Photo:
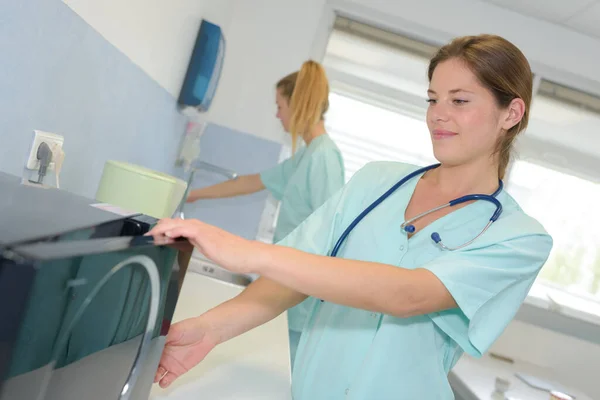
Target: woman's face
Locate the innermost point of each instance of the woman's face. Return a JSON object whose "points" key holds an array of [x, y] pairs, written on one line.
{"points": [[464, 119], [284, 113]]}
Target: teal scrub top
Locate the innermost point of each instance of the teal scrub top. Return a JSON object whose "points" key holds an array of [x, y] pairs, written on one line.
{"points": [[302, 184], [348, 353]]}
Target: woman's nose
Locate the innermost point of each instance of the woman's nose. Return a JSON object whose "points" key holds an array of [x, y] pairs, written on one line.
{"points": [[439, 112]]}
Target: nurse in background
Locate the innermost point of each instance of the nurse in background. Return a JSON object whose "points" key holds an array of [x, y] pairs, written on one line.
{"points": [[303, 182]]}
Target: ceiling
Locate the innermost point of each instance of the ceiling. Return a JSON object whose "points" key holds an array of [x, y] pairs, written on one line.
{"points": [[579, 15]]}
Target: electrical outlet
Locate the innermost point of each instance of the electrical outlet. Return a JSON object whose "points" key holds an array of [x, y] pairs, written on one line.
{"points": [[53, 140]]}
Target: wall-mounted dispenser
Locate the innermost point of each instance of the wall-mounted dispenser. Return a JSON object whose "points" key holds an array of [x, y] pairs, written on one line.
{"points": [[204, 70]]}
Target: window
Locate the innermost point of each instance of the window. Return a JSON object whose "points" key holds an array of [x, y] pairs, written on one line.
{"points": [[371, 58], [563, 131], [377, 112], [366, 132], [555, 180], [379, 92]]}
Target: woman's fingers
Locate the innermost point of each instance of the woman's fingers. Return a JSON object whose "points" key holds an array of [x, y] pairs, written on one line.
{"points": [[160, 374], [162, 226], [167, 379], [176, 227], [164, 378], [186, 231]]}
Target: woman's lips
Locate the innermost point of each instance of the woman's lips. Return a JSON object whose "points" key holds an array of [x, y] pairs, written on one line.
{"points": [[440, 134]]}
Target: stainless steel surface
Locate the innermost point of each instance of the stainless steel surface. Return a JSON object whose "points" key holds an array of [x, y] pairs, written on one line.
{"points": [[205, 267], [201, 165]]}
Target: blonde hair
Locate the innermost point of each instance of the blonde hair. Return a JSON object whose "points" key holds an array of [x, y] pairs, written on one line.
{"points": [[308, 93], [503, 69]]}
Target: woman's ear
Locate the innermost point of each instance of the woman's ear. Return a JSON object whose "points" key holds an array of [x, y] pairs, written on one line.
{"points": [[515, 113]]}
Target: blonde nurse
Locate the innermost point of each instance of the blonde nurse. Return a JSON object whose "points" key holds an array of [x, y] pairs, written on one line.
{"points": [[303, 182]]}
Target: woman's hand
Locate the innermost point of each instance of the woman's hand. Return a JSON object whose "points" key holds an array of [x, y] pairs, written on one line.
{"points": [[225, 249], [188, 342]]}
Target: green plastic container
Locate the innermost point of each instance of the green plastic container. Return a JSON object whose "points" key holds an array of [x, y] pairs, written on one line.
{"points": [[140, 189]]}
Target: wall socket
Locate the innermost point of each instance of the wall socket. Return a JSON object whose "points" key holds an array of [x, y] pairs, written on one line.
{"points": [[52, 139]]}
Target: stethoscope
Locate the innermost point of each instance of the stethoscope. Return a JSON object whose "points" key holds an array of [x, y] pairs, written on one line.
{"points": [[408, 227]]}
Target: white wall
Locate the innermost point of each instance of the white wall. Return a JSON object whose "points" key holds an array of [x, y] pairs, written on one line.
{"points": [[157, 35], [267, 39]]}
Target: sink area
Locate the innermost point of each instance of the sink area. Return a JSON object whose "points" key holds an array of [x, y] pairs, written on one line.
{"points": [[203, 266], [252, 366]]}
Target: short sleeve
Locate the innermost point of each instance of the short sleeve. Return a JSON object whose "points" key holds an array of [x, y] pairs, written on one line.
{"points": [[326, 176], [276, 178], [489, 285]]}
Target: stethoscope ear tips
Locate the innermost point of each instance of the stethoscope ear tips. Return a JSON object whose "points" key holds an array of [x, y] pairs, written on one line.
{"points": [[436, 237]]}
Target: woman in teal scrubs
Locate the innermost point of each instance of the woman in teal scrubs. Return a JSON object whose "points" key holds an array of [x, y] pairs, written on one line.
{"points": [[303, 182], [398, 309]]}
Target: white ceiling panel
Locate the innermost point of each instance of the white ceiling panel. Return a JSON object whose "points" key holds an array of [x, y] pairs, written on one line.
{"points": [[579, 15], [587, 22], [550, 10]]}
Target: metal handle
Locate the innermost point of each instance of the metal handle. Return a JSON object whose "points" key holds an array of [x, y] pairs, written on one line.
{"points": [[142, 354], [201, 165]]}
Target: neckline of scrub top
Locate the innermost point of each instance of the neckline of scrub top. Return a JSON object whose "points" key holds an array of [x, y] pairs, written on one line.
{"points": [[300, 153], [476, 209], [316, 140]]}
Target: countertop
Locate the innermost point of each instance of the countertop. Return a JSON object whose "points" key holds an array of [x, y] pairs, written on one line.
{"points": [[474, 379], [254, 365]]}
